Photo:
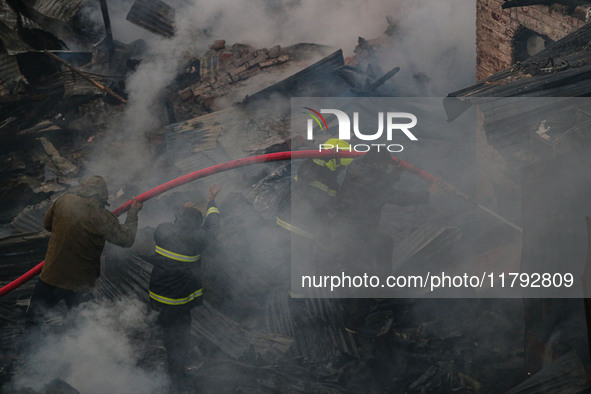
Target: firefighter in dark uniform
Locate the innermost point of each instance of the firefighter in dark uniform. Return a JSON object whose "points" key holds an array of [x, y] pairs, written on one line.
{"points": [[306, 212], [368, 186], [175, 282]]}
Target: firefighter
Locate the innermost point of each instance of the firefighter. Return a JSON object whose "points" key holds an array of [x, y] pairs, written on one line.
{"points": [[175, 282], [79, 226], [307, 209], [369, 184]]}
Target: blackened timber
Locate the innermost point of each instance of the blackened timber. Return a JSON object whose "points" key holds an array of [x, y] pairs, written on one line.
{"points": [[107, 21], [379, 82], [154, 16]]}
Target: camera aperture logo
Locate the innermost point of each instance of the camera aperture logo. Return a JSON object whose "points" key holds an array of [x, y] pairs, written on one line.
{"points": [[395, 123]]}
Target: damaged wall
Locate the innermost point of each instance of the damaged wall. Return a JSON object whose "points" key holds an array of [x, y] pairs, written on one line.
{"points": [[503, 34]]}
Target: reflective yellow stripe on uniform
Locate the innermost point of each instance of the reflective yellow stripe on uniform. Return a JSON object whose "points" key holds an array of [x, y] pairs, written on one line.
{"points": [[330, 164], [324, 188], [211, 210], [320, 162], [321, 186], [294, 229], [176, 301], [176, 256]]}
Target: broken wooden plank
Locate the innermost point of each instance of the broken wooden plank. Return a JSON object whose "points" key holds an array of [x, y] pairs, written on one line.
{"points": [[62, 164]]}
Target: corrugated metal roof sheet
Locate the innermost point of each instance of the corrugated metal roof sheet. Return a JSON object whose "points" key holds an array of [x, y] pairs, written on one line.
{"points": [[194, 135], [8, 16], [310, 341], [129, 274], [193, 144], [10, 74], [429, 238], [11, 40], [75, 85], [154, 16], [561, 71], [59, 9], [30, 219]]}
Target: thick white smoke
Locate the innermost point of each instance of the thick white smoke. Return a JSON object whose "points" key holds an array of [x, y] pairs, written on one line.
{"points": [[436, 38], [98, 354]]}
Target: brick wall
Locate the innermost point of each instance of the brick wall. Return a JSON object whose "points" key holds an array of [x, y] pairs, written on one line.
{"points": [[496, 29]]}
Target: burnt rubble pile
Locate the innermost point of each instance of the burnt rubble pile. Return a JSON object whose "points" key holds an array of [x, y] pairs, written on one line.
{"points": [[222, 67], [254, 337]]}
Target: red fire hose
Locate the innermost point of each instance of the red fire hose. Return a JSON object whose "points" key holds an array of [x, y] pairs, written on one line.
{"points": [[219, 168]]}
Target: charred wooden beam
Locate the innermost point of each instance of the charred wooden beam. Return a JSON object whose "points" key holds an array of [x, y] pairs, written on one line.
{"points": [[107, 21], [380, 81], [87, 78]]}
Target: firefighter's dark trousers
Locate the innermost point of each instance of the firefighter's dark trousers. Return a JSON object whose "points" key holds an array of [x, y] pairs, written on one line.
{"points": [[46, 296], [175, 326]]}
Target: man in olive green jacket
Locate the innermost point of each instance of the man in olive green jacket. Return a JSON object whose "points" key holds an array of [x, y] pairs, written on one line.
{"points": [[79, 226]]}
